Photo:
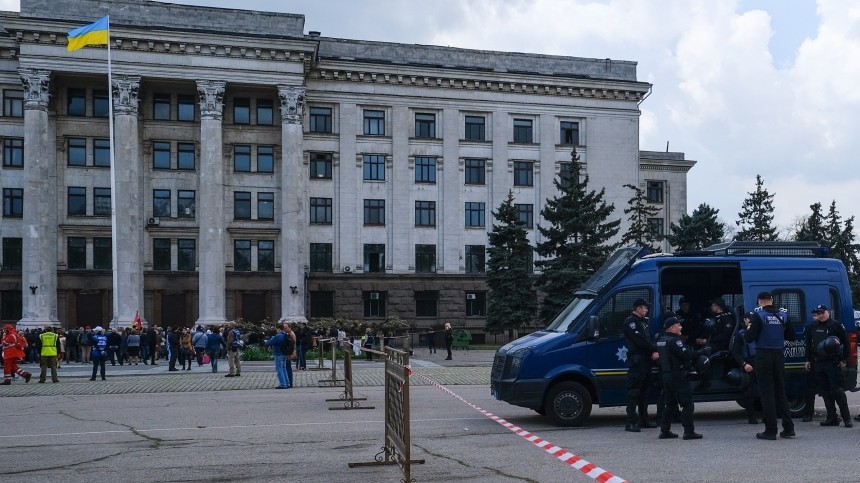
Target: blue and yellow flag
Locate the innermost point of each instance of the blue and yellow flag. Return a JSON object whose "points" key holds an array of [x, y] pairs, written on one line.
{"points": [[95, 33]]}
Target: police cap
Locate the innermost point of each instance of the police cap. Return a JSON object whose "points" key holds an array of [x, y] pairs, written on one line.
{"points": [[640, 303], [670, 321]]}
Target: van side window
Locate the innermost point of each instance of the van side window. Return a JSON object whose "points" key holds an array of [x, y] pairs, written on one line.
{"points": [[794, 302], [614, 312], [835, 305]]}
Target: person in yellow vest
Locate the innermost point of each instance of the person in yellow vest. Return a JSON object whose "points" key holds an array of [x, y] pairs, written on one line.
{"points": [[50, 348]]}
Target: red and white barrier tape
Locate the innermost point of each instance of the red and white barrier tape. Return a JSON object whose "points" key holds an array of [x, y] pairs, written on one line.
{"points": [[572, 460]]}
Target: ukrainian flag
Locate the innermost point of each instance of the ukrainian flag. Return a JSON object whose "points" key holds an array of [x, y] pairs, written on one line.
{"points": [[95, 33]]}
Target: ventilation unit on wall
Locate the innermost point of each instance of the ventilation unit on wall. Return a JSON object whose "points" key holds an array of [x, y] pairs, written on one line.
{"points": [[153, 221], [347, 269], [470, 296], [374, 295]]}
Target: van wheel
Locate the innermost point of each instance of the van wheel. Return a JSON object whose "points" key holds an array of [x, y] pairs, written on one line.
{"points": [[568, 404], [797, 406]]}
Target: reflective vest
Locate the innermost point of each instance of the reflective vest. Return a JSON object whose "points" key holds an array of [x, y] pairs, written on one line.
{"points": [[772, 334], [49, 343]]}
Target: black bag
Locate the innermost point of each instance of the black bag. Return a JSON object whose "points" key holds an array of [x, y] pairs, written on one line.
{"points": [[288, 346]]}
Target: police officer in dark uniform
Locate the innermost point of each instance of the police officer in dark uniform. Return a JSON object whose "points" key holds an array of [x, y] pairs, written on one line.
{"points": [[827, 363], [743, 353], [692, 326], [641, 352], [720, 327], [675, 358], [769, 328]]}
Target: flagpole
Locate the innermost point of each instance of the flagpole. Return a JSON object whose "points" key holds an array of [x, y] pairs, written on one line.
{"points": [[113, 194]]}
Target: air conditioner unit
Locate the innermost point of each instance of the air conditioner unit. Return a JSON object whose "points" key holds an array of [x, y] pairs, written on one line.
{"points": [[374, 295], [347, 269], [153, 221], [187, 211], [470, 296]]}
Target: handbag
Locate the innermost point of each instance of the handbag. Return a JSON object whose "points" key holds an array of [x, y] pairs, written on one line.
{"points": [[206, 359]]}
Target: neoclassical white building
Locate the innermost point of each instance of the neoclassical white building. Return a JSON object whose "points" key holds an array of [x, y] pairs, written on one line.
{"points": [[262, 171]]}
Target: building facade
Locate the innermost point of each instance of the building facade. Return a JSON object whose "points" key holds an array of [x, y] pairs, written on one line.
{"points": [[261, 172]]}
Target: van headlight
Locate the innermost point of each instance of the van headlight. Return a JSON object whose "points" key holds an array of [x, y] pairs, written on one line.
{"points": [[516, 358]]}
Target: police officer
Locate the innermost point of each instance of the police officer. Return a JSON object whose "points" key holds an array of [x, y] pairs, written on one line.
{"points": [[641, 351], [692, 326], [769, 328], [675, 358], [826, 364], [743, 353], [720, 326]]}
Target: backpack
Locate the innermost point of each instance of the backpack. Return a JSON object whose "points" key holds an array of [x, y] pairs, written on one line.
{"points": [[237, 340], [20, 341], [288, 346]]}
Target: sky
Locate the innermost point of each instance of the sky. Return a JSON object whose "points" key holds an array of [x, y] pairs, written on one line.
{"points": [[743, 87]]}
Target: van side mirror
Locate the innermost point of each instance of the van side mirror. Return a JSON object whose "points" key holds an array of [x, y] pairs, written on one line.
{"points": [[593, 327]]}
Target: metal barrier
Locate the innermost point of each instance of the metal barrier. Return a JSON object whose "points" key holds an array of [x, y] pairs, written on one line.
{"points": [[334, 381], [348, 399], [398, 445]]}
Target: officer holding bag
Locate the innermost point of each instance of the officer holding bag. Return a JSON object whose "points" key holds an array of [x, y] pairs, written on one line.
{"points": [[825, 341], [675, 359]]}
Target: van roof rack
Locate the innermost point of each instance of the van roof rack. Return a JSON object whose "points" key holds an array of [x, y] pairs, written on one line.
{"points": [[763, 249]]}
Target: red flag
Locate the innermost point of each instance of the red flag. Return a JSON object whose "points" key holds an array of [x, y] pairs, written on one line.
{"points": [[137, 322]]}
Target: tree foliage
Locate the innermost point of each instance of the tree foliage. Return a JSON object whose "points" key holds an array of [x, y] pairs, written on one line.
{"points": [[511, 302], [640, 232], [812, 227], [576, 240], [698, 230], [755, 221]]}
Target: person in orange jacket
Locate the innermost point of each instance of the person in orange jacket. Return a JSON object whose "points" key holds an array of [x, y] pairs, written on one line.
{"points": [[12, 353]]}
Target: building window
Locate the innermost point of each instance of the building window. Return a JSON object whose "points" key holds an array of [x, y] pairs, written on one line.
{"points": [[241, 110], [186, 204], [476, 304], [374, 258], [475, 169], [265, 206], [425, 125], [13, 153], [13, 202], [474, 214], [523, 131], [425, 258], [374, 304], [426, 303], [76, 253], [322, 304], [242, 205], [161, 107], [77, 201], [425, 213], [320, 120], [475, 258], [425, 169], [101, 152], [321, 165], [321, 211], [185, 156], [374, 212], [242, 255], [160, 155], [569, 132], [161, 253], [101, 105], [265, 112], [77, 151], [242, 158], [186, 111], [13, 103], [320, 257], [526, 215], [565, 174], [161, 203], [523, 173], [654, 191], [12, 254], [265, 159], [655, 226], [374, 123], [475, 128], [102, 254], [187, 255], [77, 102], [374, 167], [101, 201], [265, 256]]}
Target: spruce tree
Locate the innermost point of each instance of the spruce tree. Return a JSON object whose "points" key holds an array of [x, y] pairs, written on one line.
{"points": [[812, 228], [511, 302], [576, 240], [640, 211], [755, 221], [840, 238], [697, 231]]}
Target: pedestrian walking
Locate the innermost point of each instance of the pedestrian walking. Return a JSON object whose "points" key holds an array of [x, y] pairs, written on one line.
{"points": [[49, 349], [449, 339]]}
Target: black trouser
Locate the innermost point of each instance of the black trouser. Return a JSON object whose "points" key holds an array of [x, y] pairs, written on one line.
{"points": [[153, 352], [174, 354], [829, 382], [114, 354], [448, 344], [638, 381], [99, 362], [676, 391], [747, 394], [770, 369], [809, 395]]}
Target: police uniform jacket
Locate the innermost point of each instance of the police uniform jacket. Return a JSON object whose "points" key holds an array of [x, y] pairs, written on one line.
{"points": [[816, 333], [675, 355], [638, 339], [692, 327], [725, 325], [743, 352]]}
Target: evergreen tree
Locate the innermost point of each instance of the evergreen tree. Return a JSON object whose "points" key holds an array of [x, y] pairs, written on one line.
{"points": [[756, 216], [576, 242], [812, 228], [640, 211], [697, 231], [511, 302], [840, 239]]}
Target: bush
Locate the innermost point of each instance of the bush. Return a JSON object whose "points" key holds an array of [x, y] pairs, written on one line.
{"points": [[255, 353]]}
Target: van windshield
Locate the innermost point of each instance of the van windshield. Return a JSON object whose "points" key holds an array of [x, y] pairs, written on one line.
{"points": [[562, 321]]}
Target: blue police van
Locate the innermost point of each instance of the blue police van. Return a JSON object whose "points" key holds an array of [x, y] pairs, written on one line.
{"points": [[579, 359]]}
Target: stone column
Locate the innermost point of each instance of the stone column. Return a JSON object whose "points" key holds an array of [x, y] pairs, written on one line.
{"points": [[127, 201], [210, 248], [294, 219], [40, 243]]}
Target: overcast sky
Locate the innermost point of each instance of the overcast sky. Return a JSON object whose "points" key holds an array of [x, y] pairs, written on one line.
{"points": [[743, 87]]}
